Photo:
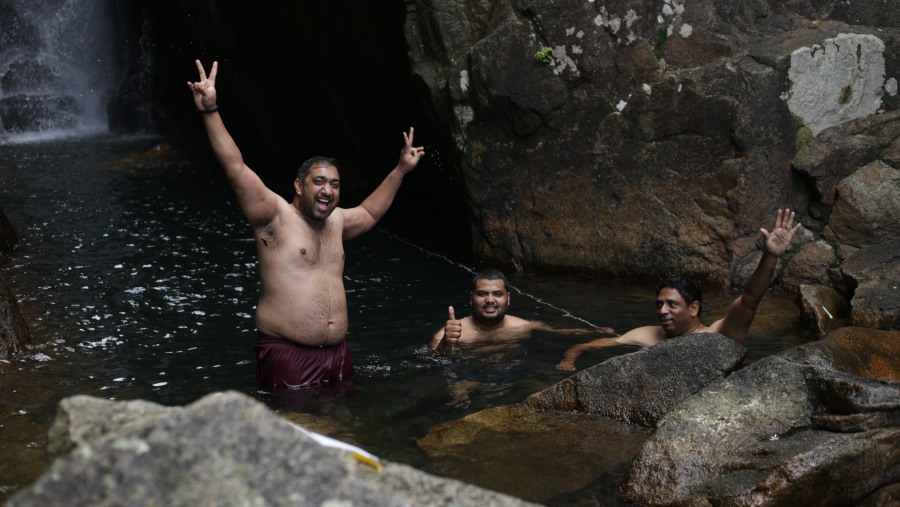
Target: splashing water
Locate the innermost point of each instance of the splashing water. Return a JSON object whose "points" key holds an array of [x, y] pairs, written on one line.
{"points": [[56, 68]]}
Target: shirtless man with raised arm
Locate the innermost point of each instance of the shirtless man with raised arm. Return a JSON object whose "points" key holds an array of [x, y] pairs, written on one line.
{"points": [[489, 322], [678, 302], [301, 318]]}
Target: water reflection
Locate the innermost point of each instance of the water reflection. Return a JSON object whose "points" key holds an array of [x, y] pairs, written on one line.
{"points": [[137, 275]]}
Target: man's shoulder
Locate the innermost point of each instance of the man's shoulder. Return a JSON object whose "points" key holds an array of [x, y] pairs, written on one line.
{"points": [[510, 321]]}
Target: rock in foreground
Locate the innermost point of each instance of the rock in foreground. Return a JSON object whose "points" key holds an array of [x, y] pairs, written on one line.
{"points": [[225, 449]]}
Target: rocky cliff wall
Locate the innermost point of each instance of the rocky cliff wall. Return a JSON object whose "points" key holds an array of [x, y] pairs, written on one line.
{"points": [[638, 137]]}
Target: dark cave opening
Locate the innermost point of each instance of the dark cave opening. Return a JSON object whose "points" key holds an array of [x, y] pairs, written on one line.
{"points": [[298, 79]]}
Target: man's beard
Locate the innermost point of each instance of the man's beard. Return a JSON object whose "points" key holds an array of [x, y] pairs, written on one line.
{"points": [[485, 321]]}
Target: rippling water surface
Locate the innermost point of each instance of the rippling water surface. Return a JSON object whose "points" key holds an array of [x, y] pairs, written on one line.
{"points": [[137, 274]]}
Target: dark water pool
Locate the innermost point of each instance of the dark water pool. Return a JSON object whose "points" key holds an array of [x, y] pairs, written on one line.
{"points": [[137, 275]]}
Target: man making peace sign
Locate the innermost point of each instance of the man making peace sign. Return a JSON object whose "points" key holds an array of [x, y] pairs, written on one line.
{"points": [[301, 318]]}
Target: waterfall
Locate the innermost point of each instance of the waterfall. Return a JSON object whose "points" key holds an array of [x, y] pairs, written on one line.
{"points": [[57, 65]]}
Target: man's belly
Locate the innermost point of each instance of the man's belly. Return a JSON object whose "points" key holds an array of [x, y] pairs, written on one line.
{"points": [[308, 322]]}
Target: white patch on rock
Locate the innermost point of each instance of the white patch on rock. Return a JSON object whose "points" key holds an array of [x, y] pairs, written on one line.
{"points": [[464, 81], [614, 24], [630, 17], [667, 10], [891, 87], [686, 30], [621, 105], [839, 81], [570, 31], [647, 89], [464, 115], [564, 61], [580, 34], [576, 50]]}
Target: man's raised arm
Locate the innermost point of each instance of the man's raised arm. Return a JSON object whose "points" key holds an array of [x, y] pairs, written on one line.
{"points": [[363, 217], [740, 315], [258, 203]]}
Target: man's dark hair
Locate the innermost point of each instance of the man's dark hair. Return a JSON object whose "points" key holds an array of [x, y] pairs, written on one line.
{"points": [[317, 161], [490, 274], [689, 290]]}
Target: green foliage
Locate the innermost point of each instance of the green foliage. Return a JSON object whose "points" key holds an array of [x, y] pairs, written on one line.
{"points": [[846, 95], [804, 135], [661, 35], [544, 55]]}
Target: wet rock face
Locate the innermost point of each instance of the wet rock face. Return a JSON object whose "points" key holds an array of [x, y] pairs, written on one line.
{"points": [[56, 63], [22, 113], [647, 141]]}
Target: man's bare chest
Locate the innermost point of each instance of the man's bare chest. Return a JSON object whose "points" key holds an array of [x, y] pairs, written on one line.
{"points": [[297, 243]]}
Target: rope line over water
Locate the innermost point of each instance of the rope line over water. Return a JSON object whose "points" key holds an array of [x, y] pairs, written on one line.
{"points": [[471, 270]]}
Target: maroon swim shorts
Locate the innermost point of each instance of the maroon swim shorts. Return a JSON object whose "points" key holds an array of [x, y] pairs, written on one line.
{"points": [[282, 363]]}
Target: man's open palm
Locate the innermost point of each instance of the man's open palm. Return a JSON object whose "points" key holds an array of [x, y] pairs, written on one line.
{"points": [[777, 241]]}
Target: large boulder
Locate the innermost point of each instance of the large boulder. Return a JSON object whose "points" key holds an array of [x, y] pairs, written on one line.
{"points": [[872, 275], [14, 333], [225, 449], [774, 433], [641, 387], [810, 265], [866, 210]]}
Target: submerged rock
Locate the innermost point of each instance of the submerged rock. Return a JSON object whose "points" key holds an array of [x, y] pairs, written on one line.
{"points": [[225, 449], [14, 333], [641, 387], [537, 455], [8, 238]]}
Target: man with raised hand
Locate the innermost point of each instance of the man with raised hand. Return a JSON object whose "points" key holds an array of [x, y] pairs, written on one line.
{"points": [[301, 318], [679, 301]]}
